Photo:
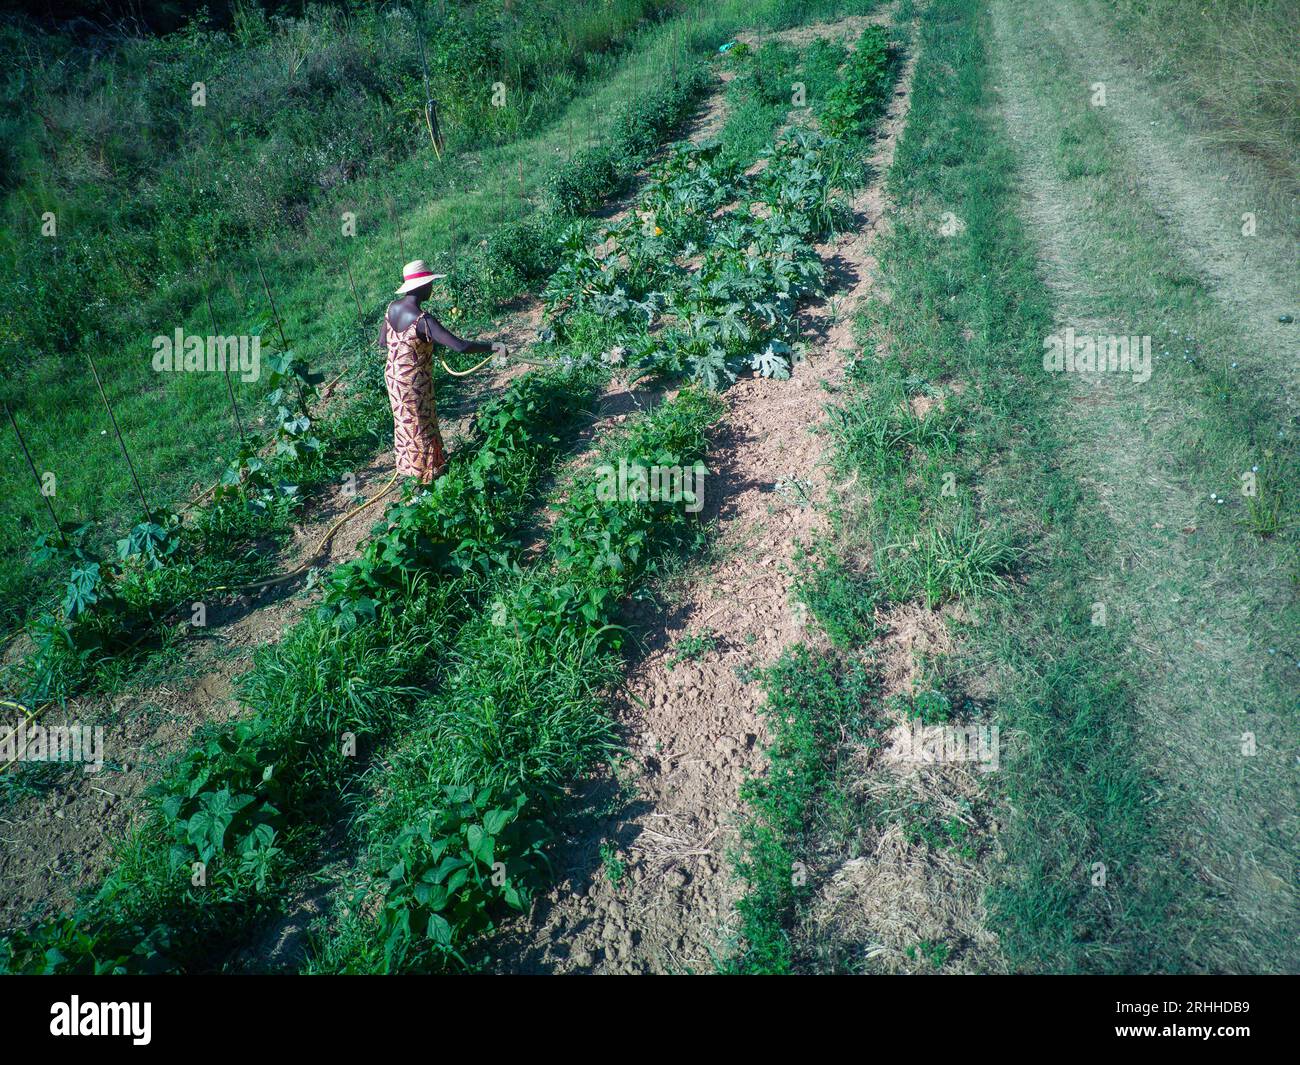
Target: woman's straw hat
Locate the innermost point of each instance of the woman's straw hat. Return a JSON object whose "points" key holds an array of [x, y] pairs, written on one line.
{"points": [[416, 275]]}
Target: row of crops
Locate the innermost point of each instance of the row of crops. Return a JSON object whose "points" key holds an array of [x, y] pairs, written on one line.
{"points": [[450, 687], [121, 603]]}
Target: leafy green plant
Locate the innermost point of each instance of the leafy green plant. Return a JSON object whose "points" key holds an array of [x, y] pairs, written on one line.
{"points": [[293, 388], [860, 96], [693, 646], [929, 706], [812, 703], [450, 872], [933, 951], [149, 544], [843, 601], [615, 867]]}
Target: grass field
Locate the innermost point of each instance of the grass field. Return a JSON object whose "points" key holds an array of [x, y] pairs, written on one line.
{"points": [[965, 644]]}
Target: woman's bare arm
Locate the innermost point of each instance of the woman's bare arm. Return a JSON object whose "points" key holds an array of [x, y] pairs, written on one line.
{"points": [[441, 335]]}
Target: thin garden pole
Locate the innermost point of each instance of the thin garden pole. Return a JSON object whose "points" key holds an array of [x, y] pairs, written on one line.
{"points": [[230, 388], [40, 488], [430, 105], [348, 263], [397, 222], [118, 433], [271, 300]]}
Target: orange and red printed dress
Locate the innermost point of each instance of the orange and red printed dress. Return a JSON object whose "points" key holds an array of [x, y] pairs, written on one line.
{"points": [[408, 374]]}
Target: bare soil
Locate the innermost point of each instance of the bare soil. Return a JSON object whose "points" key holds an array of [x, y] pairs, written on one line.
{"points": [[649, 888]]}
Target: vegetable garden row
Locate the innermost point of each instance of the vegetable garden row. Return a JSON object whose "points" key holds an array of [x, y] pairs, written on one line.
{"points": [[117, 604], [449, 688]]}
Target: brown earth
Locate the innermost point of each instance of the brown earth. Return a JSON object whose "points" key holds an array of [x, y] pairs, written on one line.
{"points": [[649, 889]]}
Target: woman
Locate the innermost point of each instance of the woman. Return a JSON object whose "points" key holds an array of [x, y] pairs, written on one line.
{"points": [[409, 333]]}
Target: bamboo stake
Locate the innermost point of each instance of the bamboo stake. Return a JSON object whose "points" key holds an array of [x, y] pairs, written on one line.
{"points": [[118, 433], [40, 489], [230, 388]]}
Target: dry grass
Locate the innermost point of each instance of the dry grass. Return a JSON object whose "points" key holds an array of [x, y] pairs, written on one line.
{"points": [[1236, 59]]}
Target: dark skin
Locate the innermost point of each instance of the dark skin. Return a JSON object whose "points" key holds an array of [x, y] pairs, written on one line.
{"points": [[405, 310]]}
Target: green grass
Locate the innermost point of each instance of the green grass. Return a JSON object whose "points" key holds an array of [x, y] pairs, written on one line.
{"points": [[843, 600], [179, 429], [985, 501]]}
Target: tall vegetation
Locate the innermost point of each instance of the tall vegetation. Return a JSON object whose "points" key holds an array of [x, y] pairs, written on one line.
{"points": [[1235, 60], [127, 203]]}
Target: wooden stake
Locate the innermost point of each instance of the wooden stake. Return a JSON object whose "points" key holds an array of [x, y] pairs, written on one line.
{"points": [[118, 433], [397, 222], [284, 343], [430, 105], [40, 488], [360, 317], [230, 388]]}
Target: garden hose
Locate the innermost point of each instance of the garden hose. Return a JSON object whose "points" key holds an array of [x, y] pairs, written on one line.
{"points": [[473, 369], [320, 544], [325, 392]]}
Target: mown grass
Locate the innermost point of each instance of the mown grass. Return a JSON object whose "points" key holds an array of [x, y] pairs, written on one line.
{"points": [[1212, 414], [964, 322], [1234, 60]]}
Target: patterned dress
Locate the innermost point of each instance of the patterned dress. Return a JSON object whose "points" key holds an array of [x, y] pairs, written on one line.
{"points": [[408, 374]]}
